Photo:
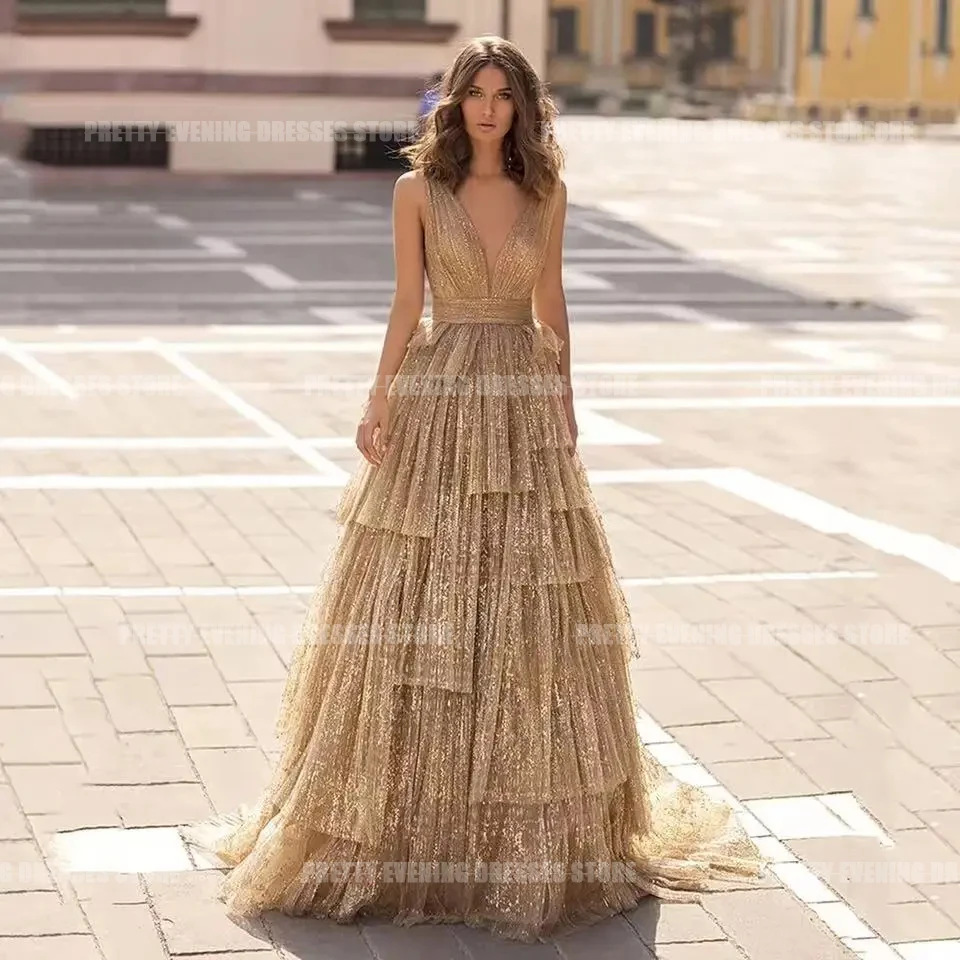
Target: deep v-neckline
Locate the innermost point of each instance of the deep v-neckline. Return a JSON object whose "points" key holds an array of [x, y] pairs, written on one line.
{"points": [[490, 271]]}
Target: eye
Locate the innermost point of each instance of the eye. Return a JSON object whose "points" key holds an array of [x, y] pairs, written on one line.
{"points": [[475, 92], [505, 94]]}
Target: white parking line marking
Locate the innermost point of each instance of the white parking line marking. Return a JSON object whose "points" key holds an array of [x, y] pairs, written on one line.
{"points": [[269, 426], [219, 246], [307, 589], [270, 277], [45, 374]]}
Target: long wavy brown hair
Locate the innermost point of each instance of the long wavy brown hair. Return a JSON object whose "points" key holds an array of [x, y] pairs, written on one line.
{"points": [[532, 158]]}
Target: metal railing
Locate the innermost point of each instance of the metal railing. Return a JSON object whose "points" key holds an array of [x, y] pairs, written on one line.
{"points": [[92, 8]]}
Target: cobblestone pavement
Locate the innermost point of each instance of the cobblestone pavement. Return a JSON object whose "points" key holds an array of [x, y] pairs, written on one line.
{"points": [[182, 370]]}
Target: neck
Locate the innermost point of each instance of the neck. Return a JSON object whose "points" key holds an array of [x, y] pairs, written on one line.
{"points": [[487, 160]]}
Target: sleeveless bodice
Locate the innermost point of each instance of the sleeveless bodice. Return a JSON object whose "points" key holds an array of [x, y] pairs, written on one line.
{"points": [[465, 288]]}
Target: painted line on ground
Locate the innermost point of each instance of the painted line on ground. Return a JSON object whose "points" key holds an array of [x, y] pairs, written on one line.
{"points": [[772, 403], [282, 590], [43, 373], [271, 427]]}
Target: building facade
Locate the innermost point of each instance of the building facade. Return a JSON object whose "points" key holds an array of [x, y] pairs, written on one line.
{"points": [[236, 65], [831, 58]]}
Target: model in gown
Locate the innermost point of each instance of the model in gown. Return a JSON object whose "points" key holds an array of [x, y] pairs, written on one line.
{"points": [[458, 734]]}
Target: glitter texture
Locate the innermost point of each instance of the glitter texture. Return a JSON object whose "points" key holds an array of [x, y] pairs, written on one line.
{"points": [[461, 692]]}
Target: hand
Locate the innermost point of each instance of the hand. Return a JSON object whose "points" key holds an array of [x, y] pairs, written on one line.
{"points": [[571, 422], [372, 431]]}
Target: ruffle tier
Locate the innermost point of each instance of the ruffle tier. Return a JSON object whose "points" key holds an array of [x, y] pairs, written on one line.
{"points": [[460, 696]]}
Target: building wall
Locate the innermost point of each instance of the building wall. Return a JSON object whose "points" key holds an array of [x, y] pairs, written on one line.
{"points": [[247, 60], [887, 65], [755, 51]]}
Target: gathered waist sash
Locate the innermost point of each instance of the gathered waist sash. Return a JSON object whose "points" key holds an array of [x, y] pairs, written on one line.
{"points": [[483, 310]]}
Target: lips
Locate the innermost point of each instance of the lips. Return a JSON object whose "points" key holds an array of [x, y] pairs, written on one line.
{"points": [[488, 126]]}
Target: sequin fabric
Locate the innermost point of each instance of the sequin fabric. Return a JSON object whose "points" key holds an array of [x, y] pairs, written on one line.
{"points": [[458, 735]]}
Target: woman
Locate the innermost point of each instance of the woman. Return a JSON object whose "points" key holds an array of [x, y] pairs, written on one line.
{"points": [[458, 732]]}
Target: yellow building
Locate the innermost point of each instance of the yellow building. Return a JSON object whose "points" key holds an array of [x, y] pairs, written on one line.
{"points": [[829, 58], [877, 58], [615, 51]]}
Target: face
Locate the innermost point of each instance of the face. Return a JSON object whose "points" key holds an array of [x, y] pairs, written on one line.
{"points": [[488, 106]]}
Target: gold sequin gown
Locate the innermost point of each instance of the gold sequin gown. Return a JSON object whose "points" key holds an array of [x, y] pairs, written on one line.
{"points": [[460, 700]]}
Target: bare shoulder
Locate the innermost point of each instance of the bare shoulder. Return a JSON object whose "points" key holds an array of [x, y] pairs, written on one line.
{"points": [[410, 189], [560, 193]]}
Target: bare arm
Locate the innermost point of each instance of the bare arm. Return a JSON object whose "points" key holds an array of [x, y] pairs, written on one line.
{"points": [[550, 303], [407, 305]]}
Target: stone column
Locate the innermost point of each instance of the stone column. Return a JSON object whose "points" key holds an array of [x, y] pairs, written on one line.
{"points": [[789, 75], [606, 71], [755, 24]]}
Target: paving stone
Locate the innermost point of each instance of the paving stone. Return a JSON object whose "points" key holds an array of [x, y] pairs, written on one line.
{"points": [[675, 698], [869, 877], [840, 706], [784, 670], [753, 779], [222, 726], [22, 868], [39, 634], [135, 704], [905, 922], [713, 742], [190, 681], [38, 914], [699, 951], [35, 736], [23, 685], [773, 925], [114, 651], [945, 823], [762, 708], [943, 638], [301, 938], [83, 947], [232, 778], [946, 707], [13, 824], [136, 758], [704, 662], [125, 930], [835, 767], [193, 920], [260, 704], [166, 634], [106, 888], [659, 923], [251, 657], [925, 735], [842, 662], [945, 897], [610, 940], [160, 804]]}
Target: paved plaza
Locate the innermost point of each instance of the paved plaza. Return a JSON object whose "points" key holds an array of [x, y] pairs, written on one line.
{"points": [[766, 349]]}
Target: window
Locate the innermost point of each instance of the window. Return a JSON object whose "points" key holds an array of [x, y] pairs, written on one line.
{"points": [[563, 26], [943, 26], [722, 35], [865, 10], [816, 26], [93, 8], [415, 10], [645, 36]]}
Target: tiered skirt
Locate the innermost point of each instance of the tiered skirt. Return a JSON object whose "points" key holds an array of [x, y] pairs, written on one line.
{"points": [[458, 733]]}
